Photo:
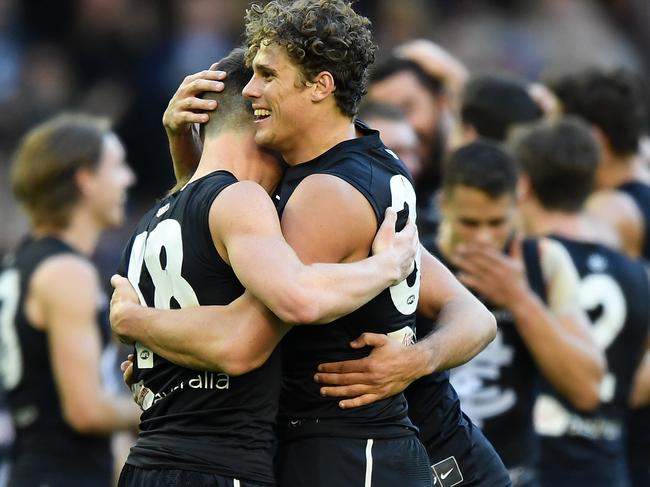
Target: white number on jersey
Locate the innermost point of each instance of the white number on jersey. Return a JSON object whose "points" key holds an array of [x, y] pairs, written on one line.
{"points": [[405, 297], [168, 283], [601, 290], [11, 365]]}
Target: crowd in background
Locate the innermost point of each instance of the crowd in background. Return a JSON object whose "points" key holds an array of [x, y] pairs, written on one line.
{"points": [[125, 58]]}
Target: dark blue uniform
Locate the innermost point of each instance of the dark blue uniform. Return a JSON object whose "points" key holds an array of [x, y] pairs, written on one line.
{"points": [[588, 449], [638, 421], [195, 422], [46, 450], [497, 388], [321, 443]]}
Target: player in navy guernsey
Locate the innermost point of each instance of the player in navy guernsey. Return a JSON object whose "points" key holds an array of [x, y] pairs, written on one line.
{"points": [[614, 102], [70, 176], [559, 161], [200, 246], [497, 388], [331, 217]]}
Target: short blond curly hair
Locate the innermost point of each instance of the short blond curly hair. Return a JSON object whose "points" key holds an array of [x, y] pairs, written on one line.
{"points": [[319, 35]]}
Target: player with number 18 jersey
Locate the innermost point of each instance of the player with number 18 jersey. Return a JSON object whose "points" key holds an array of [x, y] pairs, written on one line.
{"points": [[196, 420]]}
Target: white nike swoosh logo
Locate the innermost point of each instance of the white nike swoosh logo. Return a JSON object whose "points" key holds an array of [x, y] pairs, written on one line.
{"points": [[443, 476]]}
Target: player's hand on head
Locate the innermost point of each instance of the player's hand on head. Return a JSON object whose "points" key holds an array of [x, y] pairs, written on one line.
{"points": [[123, 299], [186, 107], [385, 372], [400, 248]]}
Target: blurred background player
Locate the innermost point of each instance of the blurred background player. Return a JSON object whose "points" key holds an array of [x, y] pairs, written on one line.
{"points": [[395, 131], [70, 176], [614, 103], [492, 104], [529, 287], [559, 161]]}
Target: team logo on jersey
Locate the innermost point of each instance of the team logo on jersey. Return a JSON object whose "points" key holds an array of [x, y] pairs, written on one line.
{"points": [[597, 263], [406, 336], [447, 473]]}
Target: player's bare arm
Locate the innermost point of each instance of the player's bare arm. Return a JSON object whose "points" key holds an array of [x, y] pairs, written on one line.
{"points": [[185, 110], [240, 336], [558, 336], [63, 299], [463, 328]]}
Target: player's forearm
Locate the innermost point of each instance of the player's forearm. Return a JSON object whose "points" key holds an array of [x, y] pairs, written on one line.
{"points": [[185, 149], [571, 363], [234, 339], [335, 290], [463, 328], [102, 414]]}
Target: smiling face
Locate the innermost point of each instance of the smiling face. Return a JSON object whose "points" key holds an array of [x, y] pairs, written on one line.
{"points": [[472, 216], [281, 101]]}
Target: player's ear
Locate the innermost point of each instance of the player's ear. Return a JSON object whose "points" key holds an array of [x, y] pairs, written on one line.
{"points": [[323, 86], [85, 179]]}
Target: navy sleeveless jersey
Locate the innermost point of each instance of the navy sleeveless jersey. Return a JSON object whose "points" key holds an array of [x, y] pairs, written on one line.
{"points": [[497, 388], [638, 421], [193, 419], [615, 293], [377, 173], [43, 440]]}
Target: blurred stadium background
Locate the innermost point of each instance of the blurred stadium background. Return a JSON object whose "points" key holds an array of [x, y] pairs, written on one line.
{"points": [[125, 58]]}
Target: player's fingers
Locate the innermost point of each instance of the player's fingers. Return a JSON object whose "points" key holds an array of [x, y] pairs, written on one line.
{"points": [[333, 379], [369, 340], [353, 390], [194, 104], [117, 280], [128, 375], [124, 365], [345, 367], [207, 74], [189, 117], [199, 86], [359, 401]]}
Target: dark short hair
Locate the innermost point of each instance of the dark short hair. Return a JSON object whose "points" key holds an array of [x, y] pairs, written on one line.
{"points": [[614, 101], [484, 165], [44, 166], [234, 109], [395, 65], [560, 158], [323, 35], [493, 103]]}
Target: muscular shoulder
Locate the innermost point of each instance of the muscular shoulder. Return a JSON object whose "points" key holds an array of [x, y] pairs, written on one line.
{"points": [[63, 280], [329, 210]]}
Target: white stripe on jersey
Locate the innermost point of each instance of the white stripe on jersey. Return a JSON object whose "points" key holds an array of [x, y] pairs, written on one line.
{"points": [[368, 482]]}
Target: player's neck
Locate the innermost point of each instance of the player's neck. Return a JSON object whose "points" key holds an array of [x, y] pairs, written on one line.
{"points": [[82, 232], [540, 222], [237, 153], [616, 170], [323, 134]]}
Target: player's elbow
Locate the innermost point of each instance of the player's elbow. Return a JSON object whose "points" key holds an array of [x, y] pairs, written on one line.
{"points": [[298, 308], [488, 327]]}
